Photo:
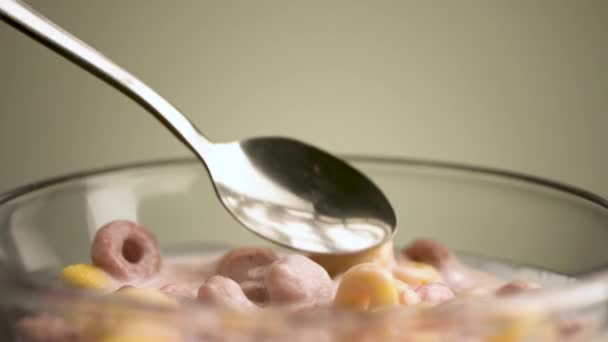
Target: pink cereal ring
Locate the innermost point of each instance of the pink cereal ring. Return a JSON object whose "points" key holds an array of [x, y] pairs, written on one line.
{"points": [[47, 328], [516, 287], [435, 293], [224, 292], [177, 291], [256, 291], [429, 251], [126, 250], [237, 263]]}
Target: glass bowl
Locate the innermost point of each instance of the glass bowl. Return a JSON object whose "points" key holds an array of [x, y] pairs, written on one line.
{"points": [[514, 225]]}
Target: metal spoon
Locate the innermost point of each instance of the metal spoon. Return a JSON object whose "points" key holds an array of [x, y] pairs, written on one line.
{"points": [[284, 190]]}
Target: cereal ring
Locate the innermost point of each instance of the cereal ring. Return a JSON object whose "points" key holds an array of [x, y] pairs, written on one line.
{"points": [[521, 327], [237, 263], [85, 276], [407, 295], [438, 255], [365, 287], [416, 273], [456, 277], [177, 291], [146, 295], [256, 291], [224, 292], [136, 330], [125, 287], [516, 287], [435, 293], [576, 329], [126, 250], [295, 279], [429, 251], [336, 264], [47, 328]]}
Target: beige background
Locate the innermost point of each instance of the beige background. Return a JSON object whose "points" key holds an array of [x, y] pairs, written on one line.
{"points": [[521, 85]]}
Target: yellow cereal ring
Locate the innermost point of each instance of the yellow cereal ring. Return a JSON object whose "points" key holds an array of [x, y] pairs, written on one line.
{"points": [[85, 276], [367, 286], [416, 273], [427, 337], [527, 327], [141, 330], [336, 264], [111, 319], [131, 338], [147, 295]]}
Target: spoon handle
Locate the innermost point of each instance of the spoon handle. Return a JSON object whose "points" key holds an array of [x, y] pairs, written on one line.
{"points": [[25, 19]]}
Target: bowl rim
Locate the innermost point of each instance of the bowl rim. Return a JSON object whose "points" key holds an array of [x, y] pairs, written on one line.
{"points": [[522, 177]]}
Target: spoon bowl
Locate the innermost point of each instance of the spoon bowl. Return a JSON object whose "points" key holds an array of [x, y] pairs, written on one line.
{"points": [[286, 191], [299, 196]]}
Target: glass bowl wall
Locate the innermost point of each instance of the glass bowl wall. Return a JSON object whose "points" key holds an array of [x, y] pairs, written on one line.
{"points": [[479, 212]]}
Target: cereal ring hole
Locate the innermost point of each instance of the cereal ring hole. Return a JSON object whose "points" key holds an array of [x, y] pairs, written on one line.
{"points": [[132, 251]]}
